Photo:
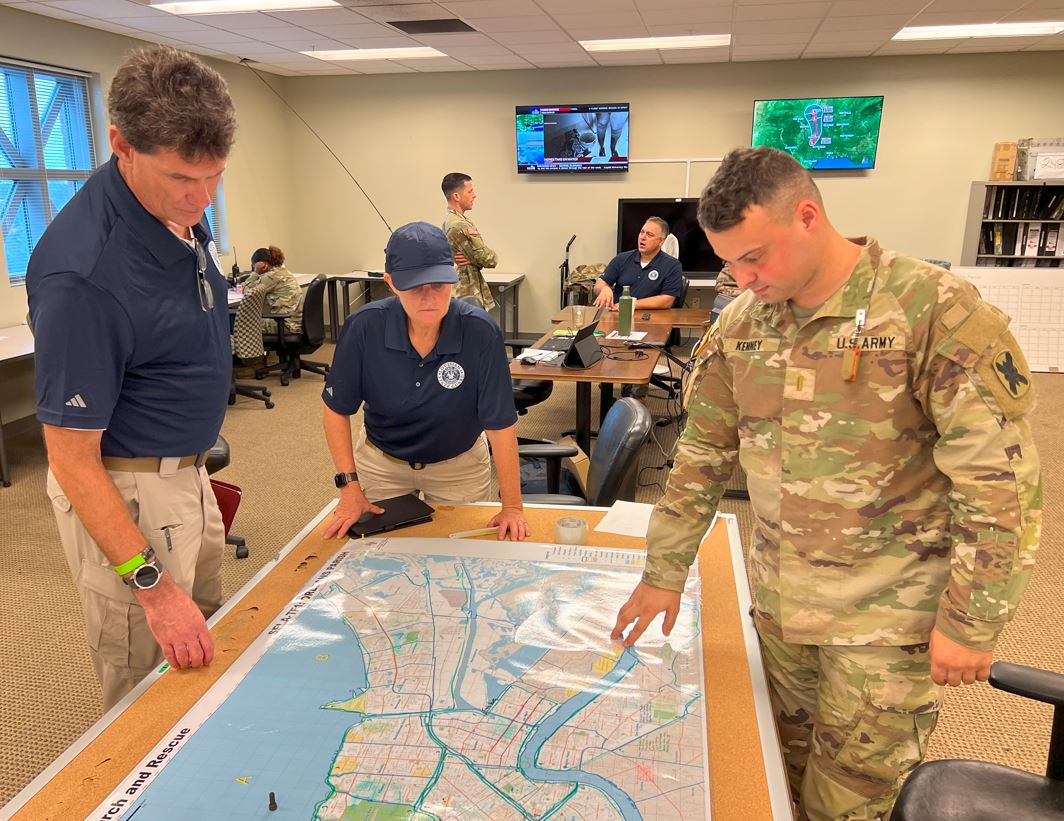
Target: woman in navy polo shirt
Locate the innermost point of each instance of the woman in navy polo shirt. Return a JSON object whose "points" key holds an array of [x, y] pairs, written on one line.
{"points": [[433, 376]]}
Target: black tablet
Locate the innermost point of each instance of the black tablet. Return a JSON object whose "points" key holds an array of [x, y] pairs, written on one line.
{"points": [[400, 511]]}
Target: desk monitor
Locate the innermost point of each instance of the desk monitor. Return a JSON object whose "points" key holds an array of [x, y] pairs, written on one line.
{"points": [[696, 254]]}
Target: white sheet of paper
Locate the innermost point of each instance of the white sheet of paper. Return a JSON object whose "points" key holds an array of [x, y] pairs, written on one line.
{"points": [[627, 519]]}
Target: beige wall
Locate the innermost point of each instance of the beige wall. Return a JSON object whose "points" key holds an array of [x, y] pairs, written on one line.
{"points": [[256, 182], [399, 134]]}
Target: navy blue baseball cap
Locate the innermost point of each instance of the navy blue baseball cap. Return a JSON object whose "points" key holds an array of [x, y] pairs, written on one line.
{"points": [[418, 253]]}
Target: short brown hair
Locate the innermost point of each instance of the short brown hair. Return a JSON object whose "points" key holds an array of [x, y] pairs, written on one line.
{"points": [[753, 176], [455, 181], [165, 98]]}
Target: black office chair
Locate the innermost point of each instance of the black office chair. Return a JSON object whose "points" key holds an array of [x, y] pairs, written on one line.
{"points": [[981, 791], [217, 458], [611, 472], [665, 380], [290, 348]]}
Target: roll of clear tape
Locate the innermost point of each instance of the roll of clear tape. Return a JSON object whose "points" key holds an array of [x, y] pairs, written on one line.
{"points": [[570, 530]]}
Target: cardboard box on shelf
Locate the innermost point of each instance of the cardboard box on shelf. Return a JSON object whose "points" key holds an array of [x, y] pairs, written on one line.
{"points": [[1003, 163]]}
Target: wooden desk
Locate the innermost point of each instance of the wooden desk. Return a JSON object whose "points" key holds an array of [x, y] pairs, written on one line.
{"points": [[605, 372], [747, 781], [673, 317], [16, 345]]}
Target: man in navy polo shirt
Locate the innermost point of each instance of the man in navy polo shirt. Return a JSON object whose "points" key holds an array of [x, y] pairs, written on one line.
{"points": [[654, 277], [133, 360], [432, 375]]}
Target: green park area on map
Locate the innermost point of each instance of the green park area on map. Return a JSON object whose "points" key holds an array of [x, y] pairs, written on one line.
{"points": [[839, 132]]}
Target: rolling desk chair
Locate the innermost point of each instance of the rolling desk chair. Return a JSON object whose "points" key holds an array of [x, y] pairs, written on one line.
{"points": [[290, 348], [981, 791], [611, 473], [228, 495], [662, 376]]}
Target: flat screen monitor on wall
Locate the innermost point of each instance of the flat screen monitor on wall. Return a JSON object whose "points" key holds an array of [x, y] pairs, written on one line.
{"points": [[696, 254], [585, 138], [821, 132]]}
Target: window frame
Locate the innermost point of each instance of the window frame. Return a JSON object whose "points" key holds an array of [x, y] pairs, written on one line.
{"points": [[31, 129]]}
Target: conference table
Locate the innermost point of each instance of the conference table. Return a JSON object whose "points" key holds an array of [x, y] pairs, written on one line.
{"points": [[505, 287], [673, 317], [746, 775], [16, 345], [630, 369]]}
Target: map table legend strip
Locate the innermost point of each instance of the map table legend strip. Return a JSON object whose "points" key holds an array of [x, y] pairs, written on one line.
{"points": [[445, 679]]}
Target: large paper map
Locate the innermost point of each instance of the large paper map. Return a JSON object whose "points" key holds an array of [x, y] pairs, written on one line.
{"points": [[445, 679]]}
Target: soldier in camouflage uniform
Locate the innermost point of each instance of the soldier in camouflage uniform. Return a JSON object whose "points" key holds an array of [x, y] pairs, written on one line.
{"points": [[881, 411], [283, 294], [471, 254]]}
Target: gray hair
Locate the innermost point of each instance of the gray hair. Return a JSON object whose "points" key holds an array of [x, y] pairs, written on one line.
{"points": [[658, 221], [753, 176], [165, 98]]}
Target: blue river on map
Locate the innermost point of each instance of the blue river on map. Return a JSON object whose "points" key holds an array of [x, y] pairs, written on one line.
{"points": [[290, 753], [526, 758]]}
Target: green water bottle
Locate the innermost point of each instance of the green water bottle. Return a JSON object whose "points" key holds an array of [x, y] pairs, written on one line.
{"points": [[624, 312]]}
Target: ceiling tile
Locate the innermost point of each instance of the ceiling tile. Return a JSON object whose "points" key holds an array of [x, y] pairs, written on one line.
{"points": [[409, 11], [981, 44], [778, 39], [1026, 15], [275, 34], [355, 30], [104, 9], [784, 11], [627, 58], [696, 55], [238, 22], [322, 17], [997, 6], [562, 62], [494, 25], [168, 23], [658, 5], [607, 31], [519, 38], [52, 11], [894, 22], [492, 8], [839, 50], [774, 27], [587, 6], [861, 38], [441, 41], [619, 20], [914, 47], [954, 18], [680, 30], [780, 54], [395, 41]]}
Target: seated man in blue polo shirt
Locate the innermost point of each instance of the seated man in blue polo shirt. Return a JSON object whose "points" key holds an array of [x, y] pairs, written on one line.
{"points": [[432, 376], [653, 276]]}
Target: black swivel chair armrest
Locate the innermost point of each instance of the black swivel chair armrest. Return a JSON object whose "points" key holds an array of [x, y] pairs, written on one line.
{"points": [[1029, 682], [552, 499], [546, 450]]}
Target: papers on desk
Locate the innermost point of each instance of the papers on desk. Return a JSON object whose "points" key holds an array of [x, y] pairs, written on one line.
{"points": [[234, 296], [634, 336], [540, 355], [631, 519]]}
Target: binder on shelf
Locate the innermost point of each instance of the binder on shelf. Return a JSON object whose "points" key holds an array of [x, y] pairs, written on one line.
{"points": [[998, 239], [1030, 246]]}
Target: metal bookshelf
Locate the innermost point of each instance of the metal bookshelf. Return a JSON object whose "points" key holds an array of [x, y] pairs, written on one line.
{"points": [[973, 225]]}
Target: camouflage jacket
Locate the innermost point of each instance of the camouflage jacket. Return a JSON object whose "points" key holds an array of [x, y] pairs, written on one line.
{"points": [[283, 295], [906, 499], [465, 238]]}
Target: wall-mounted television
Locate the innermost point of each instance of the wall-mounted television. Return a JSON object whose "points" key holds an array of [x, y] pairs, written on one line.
{"points": [[822, 133], [696, 254], [584, 138]]}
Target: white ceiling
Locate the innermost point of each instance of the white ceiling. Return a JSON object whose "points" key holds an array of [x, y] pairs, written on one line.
{"points": [[521, 34]]}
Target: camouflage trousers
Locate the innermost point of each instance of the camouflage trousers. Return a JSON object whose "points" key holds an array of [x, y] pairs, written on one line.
{"points": [[852, 722], [471, 283]]}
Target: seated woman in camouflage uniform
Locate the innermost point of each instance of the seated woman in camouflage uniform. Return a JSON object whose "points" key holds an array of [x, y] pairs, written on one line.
{"points": [[283, 294]]}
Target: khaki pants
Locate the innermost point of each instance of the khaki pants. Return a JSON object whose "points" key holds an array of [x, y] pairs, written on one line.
{"points": [[852, 721], [465, 478], [179, 517]]}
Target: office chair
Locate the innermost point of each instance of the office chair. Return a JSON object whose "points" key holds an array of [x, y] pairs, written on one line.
{"points": [[611, 472], [662, 376], [290, 348], [527, 392], [228, 495], [981, 791]]}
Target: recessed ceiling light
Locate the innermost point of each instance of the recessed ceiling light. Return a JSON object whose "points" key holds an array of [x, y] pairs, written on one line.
{"points": [[415, 53], [240, 6], [651, 43], [1040, 29]]}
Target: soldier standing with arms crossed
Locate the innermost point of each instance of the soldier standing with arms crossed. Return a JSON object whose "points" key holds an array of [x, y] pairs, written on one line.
{"points": [[880, 410], [471, 255]]}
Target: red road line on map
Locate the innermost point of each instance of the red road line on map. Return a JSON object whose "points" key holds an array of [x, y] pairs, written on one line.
{"points": [[508, 726]]}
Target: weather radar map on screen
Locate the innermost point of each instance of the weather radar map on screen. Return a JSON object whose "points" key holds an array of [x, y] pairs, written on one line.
{"points": [[572, 138], [821, 133]]}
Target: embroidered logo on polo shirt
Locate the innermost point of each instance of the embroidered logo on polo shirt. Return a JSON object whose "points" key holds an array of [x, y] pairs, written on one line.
{"points": [[652, 275], [450, 375], [212, 249]]}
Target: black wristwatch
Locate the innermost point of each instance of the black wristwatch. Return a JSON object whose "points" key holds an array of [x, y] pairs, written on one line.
{"points": [[146, 574], [344, 479]]}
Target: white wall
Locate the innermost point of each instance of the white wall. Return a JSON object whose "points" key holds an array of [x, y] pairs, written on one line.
{"points": [[256, 182], [400, 133]]}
